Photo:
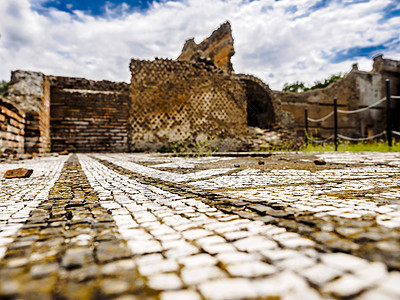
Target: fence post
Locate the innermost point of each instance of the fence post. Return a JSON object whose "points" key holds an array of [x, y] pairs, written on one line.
{"points": [[388, 114], [306, 124], [335, 137]]}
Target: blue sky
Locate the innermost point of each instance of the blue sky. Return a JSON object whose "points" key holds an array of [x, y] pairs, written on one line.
{"points": [[91, 7], [278, 41]]}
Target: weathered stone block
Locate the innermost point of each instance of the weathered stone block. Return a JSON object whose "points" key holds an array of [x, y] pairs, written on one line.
{"points": [[18, 173], [216, 49]]}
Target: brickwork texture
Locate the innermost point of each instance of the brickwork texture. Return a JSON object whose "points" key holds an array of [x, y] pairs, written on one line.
{"points": [[37, 132], [89, 116], [12, 126], [179, 101], [30, 93], [320, 103]]}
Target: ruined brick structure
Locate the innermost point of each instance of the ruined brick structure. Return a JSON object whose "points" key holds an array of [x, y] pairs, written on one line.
{"points": [[319, 104], [179, 101], [384, 69], [217, 50], [30, 92], [12, 128], [357, 90], [88, 116], [193, 99]]}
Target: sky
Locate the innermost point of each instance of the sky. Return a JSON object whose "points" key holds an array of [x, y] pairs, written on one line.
{"points": [[278, 41]]}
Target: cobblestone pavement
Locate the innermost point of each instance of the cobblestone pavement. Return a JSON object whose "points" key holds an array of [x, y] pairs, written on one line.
{"points": [[146, 226]]}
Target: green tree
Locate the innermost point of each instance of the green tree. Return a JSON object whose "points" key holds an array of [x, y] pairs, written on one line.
{"points": [[298, 87], [3, 87], [326, 82], [294, 87]]}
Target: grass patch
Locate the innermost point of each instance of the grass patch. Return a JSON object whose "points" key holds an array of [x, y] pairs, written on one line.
{"points": [[377, 146], [196, 149]]}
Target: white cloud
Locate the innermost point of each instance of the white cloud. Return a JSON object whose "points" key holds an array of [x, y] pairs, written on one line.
{"points": [[273, 40]]}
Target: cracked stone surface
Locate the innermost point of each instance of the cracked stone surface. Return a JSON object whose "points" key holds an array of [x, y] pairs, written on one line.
{"points": [[149, 226]]}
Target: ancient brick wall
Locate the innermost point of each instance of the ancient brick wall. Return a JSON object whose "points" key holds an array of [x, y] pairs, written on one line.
{"points": [[88, 115], [30, 92], [320, 103], [359, 89], [179, 101], [12, 126], [388, 69]]}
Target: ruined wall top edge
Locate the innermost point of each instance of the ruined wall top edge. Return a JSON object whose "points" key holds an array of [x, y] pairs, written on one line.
{"points": [[164, 63], [26, 83], [386, 65], [333, 86], [217, 49], [26, 90], [216, 36], [61, 82]]}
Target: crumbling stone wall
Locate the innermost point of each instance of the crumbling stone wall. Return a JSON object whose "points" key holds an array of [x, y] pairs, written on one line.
{"points": [[12, 126], [216, 49], [29, 91], [197, 98], [179, 101], [387, 69], [358, 89], [320, 103], [89, 116]]}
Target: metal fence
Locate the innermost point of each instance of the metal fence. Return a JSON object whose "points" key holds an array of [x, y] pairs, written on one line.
{"points": [[335, 136]]}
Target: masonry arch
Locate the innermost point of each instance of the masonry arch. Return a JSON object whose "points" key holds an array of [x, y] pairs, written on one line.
{"points": [[261, 111]]}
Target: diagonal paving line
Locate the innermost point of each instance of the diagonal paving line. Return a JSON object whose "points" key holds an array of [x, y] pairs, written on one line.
{"points": [[69, 248], [168, 176], [331, 233], [186, 248], [226, 204], [253, 258]]}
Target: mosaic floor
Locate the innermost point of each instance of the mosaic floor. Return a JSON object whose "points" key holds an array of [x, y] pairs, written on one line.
{"points": [[148, 226]]}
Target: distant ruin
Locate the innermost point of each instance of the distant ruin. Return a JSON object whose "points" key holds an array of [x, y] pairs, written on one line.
{"points": [[358, 89], [197, 97]]}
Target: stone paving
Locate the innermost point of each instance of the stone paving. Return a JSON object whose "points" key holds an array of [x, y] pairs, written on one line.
{"points": [[17, 200], [147, 226]]}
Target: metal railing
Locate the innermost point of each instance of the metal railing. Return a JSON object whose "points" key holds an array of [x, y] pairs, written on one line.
{"points": [[388, 132]]}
